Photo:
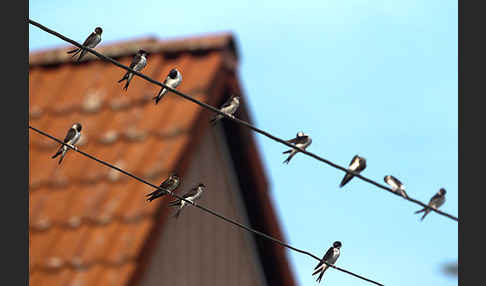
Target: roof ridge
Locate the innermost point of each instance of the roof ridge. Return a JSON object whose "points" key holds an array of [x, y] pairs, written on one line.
{"points": [[212, 41]]}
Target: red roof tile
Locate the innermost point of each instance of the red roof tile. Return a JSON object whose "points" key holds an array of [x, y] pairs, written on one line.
{"points": [[88, 223]]}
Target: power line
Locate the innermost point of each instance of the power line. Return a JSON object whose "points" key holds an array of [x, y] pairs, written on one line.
{"points": [[202, 208], [244, 123]]}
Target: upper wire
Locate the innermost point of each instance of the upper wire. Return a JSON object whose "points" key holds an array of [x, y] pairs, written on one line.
{"points": [[244, 123]]}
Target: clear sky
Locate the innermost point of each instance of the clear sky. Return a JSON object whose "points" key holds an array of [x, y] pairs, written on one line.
{"points": [[374, 78]]}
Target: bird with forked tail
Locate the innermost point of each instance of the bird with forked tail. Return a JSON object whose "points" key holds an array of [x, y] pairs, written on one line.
{"points": [[301, 140], [172, 80], [192, 195], [357, 165], [72, 137], [435, 202], [331, 256], [229, 107], [91, 41], [396, 185], [167, 186], [137, 64]]}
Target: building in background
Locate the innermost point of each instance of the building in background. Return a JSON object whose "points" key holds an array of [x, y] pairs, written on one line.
{"points": [[91, 225]]}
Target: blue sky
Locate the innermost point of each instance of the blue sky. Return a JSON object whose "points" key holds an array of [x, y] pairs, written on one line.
{"points": [[374, 78]]}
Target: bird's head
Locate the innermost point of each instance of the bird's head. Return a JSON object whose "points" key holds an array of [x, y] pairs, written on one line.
{"points": [[337, 244], [201, 185], [142, 52], [236, 98], [300, 134], [98, 30], [387, 178], [77, 126], [362, 161], [173, 73], [442, 191]]}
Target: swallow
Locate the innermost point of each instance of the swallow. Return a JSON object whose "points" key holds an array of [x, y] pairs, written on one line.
{"points": [[396, 185], [229, 107], [90, 42], [72, 136], [192, 195], [167, 186], [173, 80], [357, 165], [138, 63], [330, 257], [301, 140], [435, 202]]}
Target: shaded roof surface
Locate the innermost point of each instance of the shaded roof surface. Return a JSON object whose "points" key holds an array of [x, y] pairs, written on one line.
{"points": [[87, 223]]}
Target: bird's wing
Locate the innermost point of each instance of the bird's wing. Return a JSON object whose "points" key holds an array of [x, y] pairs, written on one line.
{"points": [[302, 139], [135, 60], [165, 184], [352, 160], [192, 192], [70, 135], [89, 39], [434, 198], [325, 258], [293, 140], [397, 181], [298, 139], [227, 102]]}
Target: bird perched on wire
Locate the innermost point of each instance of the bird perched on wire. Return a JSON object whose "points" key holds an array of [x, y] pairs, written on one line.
{"points": [[173, 80], [301, 140], [357, 165], [192, 195], [330, 257], [396, 185], [167, 186], [91, 41], [435, 202], [72, 137], [229, 107], [138, 63]]}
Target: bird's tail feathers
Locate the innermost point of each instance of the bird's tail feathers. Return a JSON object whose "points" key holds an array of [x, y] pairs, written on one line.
{"points": [[58, 153], [286, 152], [286, 161], [320, 276], [148, 195], [124, 77], [174, 203], [74, 51], [215, 119], [81, 55], [177, 213], [419, 211], [156, 99], [126, 86], [129, 78], [62, 157], [426, 213], [321, 270], [346, 179]]}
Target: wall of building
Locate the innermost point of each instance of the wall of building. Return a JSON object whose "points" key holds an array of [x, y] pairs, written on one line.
{"points": [[198, 248]]}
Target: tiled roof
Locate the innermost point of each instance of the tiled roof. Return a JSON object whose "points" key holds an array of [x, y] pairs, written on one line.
{"points": [[88, 223]]}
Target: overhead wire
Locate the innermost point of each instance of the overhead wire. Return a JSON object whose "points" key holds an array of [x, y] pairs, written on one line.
{"points": [[171, 193], [239, 121]]}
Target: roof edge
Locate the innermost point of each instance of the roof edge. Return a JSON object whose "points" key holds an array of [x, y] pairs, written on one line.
{"points": [[213, 41]]}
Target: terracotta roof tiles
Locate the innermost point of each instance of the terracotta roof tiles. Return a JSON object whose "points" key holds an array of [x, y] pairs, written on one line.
{"points": [[88, 223]]}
